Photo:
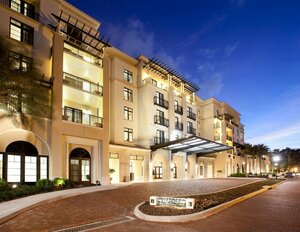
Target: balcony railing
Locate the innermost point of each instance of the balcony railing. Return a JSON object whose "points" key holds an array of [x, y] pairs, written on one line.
{"points": [[228, 137], [217, 137], [161, 121], [191, 115], [160, 140], [191, 130], [178, 109], [22, 7], [82, 84], [179, 126], [75, 115], [161, 102]]}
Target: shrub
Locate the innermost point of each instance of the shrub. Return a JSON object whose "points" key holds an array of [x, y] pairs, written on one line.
{"points": [[44, 185], [237, 175], [3, 185], [68, 183], [58, 182]]}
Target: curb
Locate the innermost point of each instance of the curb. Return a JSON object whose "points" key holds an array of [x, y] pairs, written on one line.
{"points": [[10, 215], [203, 214]]}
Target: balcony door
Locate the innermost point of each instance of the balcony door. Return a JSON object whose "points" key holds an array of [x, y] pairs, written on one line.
{"points": [[80, 166], [158, 171]]}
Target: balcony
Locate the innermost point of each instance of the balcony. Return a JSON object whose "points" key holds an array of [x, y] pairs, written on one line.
{"points": [[161, 102], [228, 126], [191, 115], [217, 137], [228, 137], [178, 109], [82, 84], [161, 121], [160, 140], [191, 130], [22, 7], [75, 115], [178, 126]]}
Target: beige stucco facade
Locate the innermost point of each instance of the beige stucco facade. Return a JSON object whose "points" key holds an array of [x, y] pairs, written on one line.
{"points": [[109, 108]]}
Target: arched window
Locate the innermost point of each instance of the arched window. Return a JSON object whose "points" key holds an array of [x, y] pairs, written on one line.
{"points": [[21, 163], [80, 166]]}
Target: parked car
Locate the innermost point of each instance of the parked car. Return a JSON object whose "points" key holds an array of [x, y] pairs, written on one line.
{"points": [[289, 175]]}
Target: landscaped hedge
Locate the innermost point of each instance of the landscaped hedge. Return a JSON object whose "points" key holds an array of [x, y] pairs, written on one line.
{"points": [[7, 192]]}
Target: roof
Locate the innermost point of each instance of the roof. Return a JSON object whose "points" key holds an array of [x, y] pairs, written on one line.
{"points": [[192, 144]]}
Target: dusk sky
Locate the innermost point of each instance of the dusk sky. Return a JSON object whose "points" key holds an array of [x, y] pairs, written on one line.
{"points": [[243, 52]]}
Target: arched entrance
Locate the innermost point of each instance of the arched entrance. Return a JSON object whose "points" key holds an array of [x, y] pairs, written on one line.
{"points": [[80, 166], [22, 164]]}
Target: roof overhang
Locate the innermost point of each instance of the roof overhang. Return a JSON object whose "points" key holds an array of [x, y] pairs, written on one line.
{"points": [[191, 145]]}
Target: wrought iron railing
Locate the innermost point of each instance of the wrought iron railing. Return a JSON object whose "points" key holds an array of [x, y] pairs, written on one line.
{"points": [[179, 126], [75, 115], [178, 109], [191, 115], [82, 84], [191, 130], [161, 121], [161, 102]]}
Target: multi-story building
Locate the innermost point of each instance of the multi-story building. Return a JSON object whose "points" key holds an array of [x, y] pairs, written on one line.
{"points": [[109, 110]]}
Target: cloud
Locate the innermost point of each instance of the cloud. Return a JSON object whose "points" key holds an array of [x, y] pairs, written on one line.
{"points": [[208, 53], [132, 37], [211, 85], [229, 49], [239, 3]]}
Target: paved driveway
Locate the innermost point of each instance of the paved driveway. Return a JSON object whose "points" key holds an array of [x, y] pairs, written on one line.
{"points": [[110, 204]]}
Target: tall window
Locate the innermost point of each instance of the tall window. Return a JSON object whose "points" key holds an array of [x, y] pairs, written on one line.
{"points": [[128, 134], [21, 32], [160, 134], [19, 62], [189, 125], [159, 95], [128, 94], [30, 169], [13, 168], [128, 113], [43, 168], [128, 76], [189, 110], [1, 165], [176, 104], [160, 113]]}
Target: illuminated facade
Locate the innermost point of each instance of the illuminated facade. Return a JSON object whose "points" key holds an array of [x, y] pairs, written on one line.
{"points": [[108, 109]]}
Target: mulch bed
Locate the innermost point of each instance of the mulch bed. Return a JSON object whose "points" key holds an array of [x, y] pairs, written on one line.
{"points": [[207, 201]]}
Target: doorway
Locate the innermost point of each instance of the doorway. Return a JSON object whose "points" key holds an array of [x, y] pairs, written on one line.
{"points": [[80, 166]]}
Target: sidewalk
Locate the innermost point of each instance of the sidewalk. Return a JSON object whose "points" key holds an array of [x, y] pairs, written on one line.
{"points": [[13, 208]]}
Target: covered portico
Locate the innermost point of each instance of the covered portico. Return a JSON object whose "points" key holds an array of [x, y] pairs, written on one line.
{"points": [[186, 150]]}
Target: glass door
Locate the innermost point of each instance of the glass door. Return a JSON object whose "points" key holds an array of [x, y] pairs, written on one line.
{"points": [[74, 170]]}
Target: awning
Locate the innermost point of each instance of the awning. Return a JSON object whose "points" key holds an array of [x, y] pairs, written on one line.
{"points": [[192, 144]]}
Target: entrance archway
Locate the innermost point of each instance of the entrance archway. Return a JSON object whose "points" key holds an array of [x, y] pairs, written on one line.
{"points": [[80, 166]]}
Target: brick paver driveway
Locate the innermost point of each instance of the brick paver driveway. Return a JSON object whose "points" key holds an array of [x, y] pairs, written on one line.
{"points": [[109, 204]]}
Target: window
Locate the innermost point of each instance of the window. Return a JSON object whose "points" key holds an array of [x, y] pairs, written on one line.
{"points": [[21, 32], [30, 168], [160, 113], [23, 8], [160, 134], [128, 113], [189, 125], [176, 120], [128, 76], [128, 134], [72, 114], [43, 168], [128, 94], [19, 62], [159, 95], [189, 110], [1, 165], [176, 103], [153, 82], [13, 168]]}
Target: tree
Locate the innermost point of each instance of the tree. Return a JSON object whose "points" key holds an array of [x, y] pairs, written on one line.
{"points": [[22, 89], [261, 150]]}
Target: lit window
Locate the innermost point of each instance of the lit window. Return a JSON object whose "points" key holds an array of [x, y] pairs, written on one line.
{"points": [[1, 165], [19, 62], [128, 113], [43, 168], [23, 8], [128, 134], [128, 76], [21, 32], [13, 168], [128, 94], [30, 168]]}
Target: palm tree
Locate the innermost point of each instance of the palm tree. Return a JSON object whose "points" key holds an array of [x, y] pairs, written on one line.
{"points": [[261, 150], [22, 89]]}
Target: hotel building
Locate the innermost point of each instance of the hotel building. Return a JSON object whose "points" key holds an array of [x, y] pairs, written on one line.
{"points": [[108, 110]]}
